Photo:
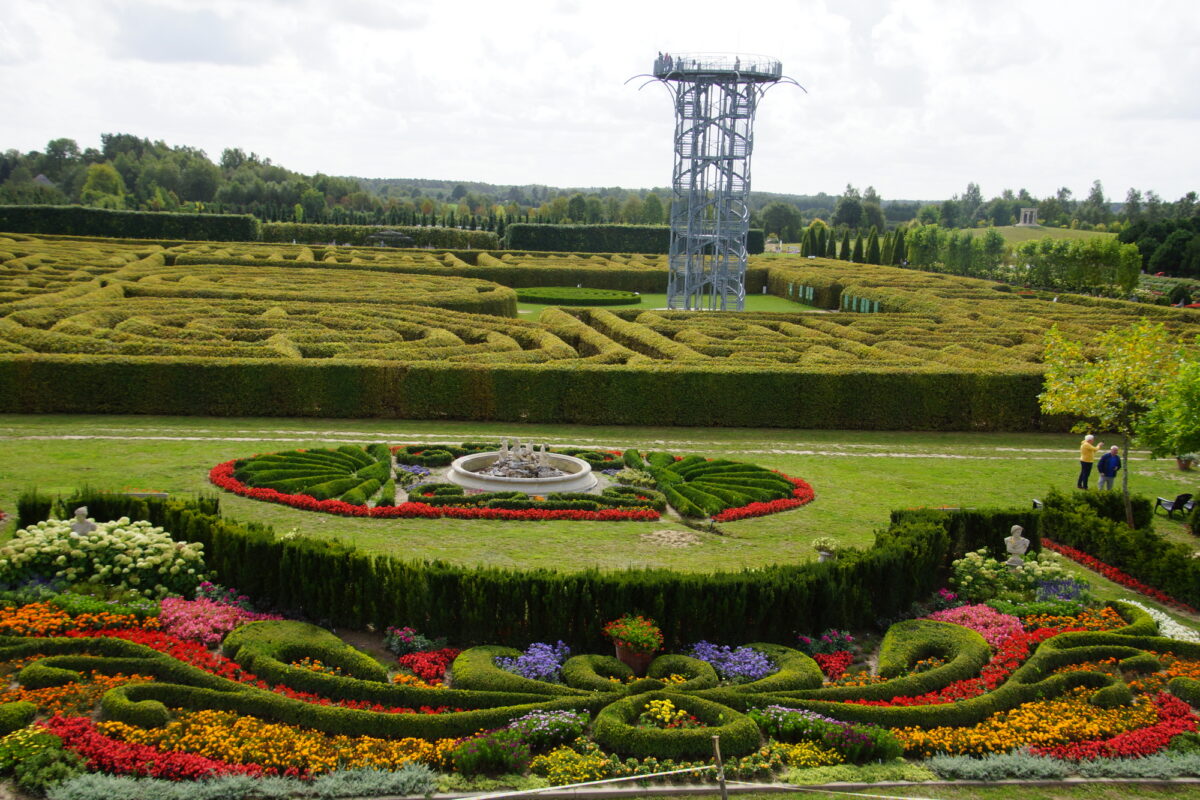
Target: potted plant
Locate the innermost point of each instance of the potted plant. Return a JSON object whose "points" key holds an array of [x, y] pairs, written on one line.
{"points": [[1186, 460], [636, 639], [827, 548]]}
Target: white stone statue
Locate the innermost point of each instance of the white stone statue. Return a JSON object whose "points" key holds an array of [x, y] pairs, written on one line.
{"points": [[542, 460], [82, 526], [1016, 544], [504, 448]]}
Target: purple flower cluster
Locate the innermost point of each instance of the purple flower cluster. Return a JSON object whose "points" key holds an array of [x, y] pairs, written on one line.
{"points": [[858, 742], [544, 729], [540, 662], [738, 666], [1061, 589]]}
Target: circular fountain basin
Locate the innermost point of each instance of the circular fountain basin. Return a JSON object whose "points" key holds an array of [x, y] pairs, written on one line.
{"points": [[578, 478]]}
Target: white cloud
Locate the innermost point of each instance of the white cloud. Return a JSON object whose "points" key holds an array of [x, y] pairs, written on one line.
{"points": [[916, 97]]}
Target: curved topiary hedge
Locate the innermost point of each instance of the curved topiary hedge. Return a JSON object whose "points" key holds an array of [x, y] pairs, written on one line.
{"points": [[577, 296], [615, 730]]}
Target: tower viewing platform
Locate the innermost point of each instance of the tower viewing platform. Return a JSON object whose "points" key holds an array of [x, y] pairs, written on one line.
{"points": [[690, 66]]}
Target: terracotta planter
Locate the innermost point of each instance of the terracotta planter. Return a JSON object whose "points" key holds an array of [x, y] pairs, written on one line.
{"points": [[1184, 464], [638, 662]]}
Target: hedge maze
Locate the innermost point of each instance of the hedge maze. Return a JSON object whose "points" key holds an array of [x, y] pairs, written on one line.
{"points": [[436, 334]]}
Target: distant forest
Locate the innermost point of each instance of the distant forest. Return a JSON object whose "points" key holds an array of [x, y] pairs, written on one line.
{"points": [[135, 173]]}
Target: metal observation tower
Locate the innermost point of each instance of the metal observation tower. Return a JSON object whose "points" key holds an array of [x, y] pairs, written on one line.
{"points": [[715, 98]]}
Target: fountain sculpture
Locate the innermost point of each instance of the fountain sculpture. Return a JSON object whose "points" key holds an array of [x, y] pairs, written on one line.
{"points": [[520, 467]]}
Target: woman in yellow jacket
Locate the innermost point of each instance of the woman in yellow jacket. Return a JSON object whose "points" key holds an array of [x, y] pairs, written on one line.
{"points": [[1087, 456]]}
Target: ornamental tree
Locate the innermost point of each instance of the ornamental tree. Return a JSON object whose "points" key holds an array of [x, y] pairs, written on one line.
{"points": [[1112, 386], [1172, 427]]}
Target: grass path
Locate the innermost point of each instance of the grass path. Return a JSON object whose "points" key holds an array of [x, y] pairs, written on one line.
{"points": [[859, 477]]}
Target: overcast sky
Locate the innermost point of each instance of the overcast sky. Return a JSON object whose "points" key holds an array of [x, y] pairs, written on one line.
{"points": [[915, 97]]}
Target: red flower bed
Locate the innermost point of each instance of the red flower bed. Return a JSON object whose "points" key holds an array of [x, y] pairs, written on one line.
{"points": [[430, 665], [801, 495], [79, 735], [1174, 717], [1116, 576], [198, 656], [222, 475], [834, 664]]}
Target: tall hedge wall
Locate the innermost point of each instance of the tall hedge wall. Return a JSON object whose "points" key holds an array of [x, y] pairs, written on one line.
{"points": [[306, 233], [335, 584], [571, 392], [83, 221], [601, 238]]}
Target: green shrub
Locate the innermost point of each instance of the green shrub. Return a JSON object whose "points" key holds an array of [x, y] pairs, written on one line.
{"points": [[83, 221], [496, 753], [577, 296], [14, 716], [600, 238], [998, 767]]}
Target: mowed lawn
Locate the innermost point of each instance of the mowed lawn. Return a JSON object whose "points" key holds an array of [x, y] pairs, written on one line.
{"points": [[650, 302], [858, 477]]}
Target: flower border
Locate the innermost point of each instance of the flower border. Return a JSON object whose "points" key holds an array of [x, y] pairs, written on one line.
{"points": [[222, 476]]}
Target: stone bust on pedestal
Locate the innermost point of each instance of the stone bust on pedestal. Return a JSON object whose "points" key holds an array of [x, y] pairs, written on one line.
{"points": [[1016, 544], [81, 525]]}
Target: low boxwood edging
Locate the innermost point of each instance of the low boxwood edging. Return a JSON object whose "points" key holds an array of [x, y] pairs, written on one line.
{"points": [[614, 729], [577, 296]]}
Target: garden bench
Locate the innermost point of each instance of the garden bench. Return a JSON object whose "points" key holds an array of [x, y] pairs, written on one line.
{"points": [[1183, 503]]}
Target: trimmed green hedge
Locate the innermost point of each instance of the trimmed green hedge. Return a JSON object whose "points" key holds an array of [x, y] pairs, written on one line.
{"points": [[84, 221], [262, 647], [14, 716], [577, 296], [601, 238], [332, 581], [655, 393], [422, 236], [1071, 519], [615, 729]]}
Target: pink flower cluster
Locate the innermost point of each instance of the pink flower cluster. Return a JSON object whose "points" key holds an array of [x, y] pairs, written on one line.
{"points": [[204, 621], [991, 624]]}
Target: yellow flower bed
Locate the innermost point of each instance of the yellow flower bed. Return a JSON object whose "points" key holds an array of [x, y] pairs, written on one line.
{"points": [[1069, 718], [808, 754], [238, 739], [563, 765]]}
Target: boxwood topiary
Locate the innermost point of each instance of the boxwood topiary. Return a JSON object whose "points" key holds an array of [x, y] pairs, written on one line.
{"points": [[614, 729], [14, 716]]}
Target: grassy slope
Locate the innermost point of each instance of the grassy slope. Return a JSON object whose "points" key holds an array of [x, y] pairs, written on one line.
{"points": [[858, 476]]}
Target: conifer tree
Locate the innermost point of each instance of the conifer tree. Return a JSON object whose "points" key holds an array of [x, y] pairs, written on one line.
{"points": [[844, 254], [806, 244], [820, 245], [873, 255], [857, 255], [889, 244], [899, 251]]}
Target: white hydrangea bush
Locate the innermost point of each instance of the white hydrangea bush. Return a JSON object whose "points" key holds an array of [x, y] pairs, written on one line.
{"points": [[977, 577], [123, 554]]}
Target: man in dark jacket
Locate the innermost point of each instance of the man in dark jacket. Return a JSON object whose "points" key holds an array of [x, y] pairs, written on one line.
{"points": [[1110, 462]]}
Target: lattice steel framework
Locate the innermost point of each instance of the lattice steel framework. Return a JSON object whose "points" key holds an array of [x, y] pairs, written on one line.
{"points": [[715, 99]]}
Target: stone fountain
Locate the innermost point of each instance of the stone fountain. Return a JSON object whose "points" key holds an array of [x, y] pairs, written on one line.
{"points": [[519, 467]]}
